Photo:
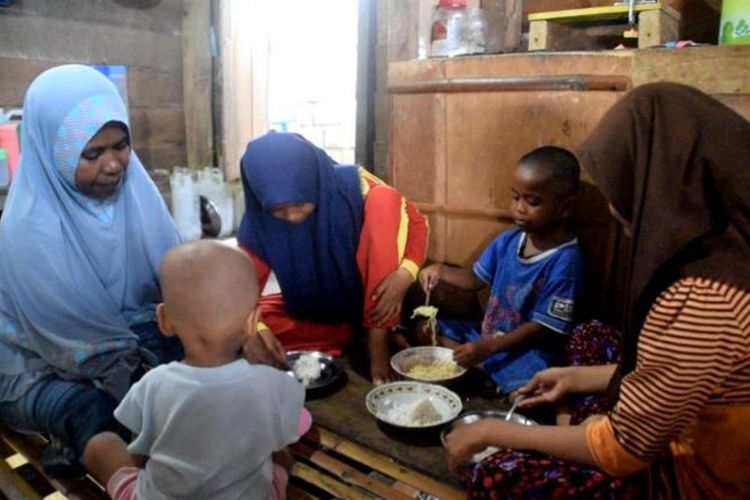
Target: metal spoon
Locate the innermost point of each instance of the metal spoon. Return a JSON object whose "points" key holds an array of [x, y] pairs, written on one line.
{"points": [[518, 399], [428, 293]]}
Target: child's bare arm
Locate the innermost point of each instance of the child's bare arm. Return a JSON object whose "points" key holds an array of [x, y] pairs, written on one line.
{"points": [[527, 334], [460, 277], [105, 454]]}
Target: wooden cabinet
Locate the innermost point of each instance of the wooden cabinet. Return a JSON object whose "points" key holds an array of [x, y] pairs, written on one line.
{"points": [[457, 127]]}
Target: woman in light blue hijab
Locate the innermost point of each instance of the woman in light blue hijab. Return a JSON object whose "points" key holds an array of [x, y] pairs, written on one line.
{"points": [[81, 239]]}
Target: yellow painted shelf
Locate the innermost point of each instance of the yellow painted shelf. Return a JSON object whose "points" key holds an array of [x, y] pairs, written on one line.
{"points": [[606, 13]]}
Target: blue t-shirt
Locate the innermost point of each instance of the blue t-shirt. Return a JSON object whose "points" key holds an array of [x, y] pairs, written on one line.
{"points": [[542, 288]]}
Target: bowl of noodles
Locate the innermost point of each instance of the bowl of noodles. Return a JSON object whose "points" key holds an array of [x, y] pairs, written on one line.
{"points": [[427, 364]]}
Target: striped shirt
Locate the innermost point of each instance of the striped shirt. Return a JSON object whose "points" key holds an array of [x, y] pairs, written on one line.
{"points": [[693, 351], [693, 369]]}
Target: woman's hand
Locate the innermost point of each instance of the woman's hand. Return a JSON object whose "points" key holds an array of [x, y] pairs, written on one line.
{"points": [[430, 276], [389, 295], [548, 386], [262, 347], [473, 353], [465, 441]]}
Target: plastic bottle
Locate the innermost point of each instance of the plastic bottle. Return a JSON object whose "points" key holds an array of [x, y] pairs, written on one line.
{"points": [[185, 204], [448, 25], [475, 34]]}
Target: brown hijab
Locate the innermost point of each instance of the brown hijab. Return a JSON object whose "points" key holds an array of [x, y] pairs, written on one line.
{"points": [[675, 163]]}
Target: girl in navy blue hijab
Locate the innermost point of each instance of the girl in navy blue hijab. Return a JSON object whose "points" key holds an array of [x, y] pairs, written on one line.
{"points": [[343, 245]]}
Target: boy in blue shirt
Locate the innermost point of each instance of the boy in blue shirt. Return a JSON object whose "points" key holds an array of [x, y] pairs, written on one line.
{"points": [[534, 272]]}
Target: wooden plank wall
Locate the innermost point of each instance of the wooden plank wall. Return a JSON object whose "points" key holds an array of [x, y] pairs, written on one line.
{"points": [[143, 35], [468, 137], [395, 34], [197, 78], [397, 31]]}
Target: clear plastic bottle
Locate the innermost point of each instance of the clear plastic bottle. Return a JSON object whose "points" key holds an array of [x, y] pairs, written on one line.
{"points": [[448, 27], [475, 34], [185, 203]]}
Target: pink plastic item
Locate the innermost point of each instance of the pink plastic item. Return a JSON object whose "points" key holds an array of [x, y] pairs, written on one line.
{"points": [[305, 422], [9, 142]]}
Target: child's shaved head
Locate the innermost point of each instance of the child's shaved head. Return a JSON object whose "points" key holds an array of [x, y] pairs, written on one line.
{"points": [[209, 291], [559, 164]]}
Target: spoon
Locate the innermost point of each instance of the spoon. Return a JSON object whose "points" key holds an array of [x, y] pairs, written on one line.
{"points": [[427, 293], [518, 399]]}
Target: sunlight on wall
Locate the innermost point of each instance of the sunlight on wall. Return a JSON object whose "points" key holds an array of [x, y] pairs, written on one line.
{"points": [[312, 72]]}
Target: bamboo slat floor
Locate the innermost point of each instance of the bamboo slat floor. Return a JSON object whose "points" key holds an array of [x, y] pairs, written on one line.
{"points": [[347, 454], [343, 409], [326, 466]]}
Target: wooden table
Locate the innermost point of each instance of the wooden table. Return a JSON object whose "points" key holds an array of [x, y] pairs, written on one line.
{"points": [[345, 413]]}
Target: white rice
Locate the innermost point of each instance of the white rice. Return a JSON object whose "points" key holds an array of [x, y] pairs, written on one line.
{"points": [[420, 413], [306, 369], [478, 457]]}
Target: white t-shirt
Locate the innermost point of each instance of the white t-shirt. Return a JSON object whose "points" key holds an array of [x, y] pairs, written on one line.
{"points": [[209, 432]]}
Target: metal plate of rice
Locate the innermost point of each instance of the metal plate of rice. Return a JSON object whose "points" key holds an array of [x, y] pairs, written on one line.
{"points": [[330, 370]]}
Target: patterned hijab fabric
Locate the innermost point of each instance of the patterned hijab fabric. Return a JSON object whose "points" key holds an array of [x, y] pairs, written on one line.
{"points": [[674, 163], [75, 272], [314, 261]]}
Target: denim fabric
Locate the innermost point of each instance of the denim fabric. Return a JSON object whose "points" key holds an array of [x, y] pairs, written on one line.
{"points": [[71, 412], [509, 369], [68, 412]]}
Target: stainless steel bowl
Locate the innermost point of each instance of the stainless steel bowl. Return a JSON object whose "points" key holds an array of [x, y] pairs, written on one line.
{"points": [[471, 417]]}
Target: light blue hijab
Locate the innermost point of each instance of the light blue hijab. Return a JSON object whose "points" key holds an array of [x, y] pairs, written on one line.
{"points": [[75, 273]]}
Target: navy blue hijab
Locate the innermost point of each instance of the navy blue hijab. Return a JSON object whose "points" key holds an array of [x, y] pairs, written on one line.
{"points": [[314, 261]]}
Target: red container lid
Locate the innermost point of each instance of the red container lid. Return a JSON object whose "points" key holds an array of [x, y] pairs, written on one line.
{"points": [[452, 4]]}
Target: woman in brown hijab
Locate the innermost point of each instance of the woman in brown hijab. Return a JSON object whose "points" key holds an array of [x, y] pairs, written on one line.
{"points": [[675, 166]]}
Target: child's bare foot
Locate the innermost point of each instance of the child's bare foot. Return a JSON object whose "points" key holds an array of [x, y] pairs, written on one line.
{"points": [[380, 370]]}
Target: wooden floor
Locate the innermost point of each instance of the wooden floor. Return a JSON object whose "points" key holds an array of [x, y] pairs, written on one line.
{"points": [[334, 467], [344, 411], [347, 454], [21, 475], [327, 466]]}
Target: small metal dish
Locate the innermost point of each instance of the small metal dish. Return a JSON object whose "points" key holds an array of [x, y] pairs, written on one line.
{"points": [[330, 370]]}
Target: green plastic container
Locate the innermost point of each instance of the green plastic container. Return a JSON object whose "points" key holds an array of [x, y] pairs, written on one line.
{"points": [[735, 23]]}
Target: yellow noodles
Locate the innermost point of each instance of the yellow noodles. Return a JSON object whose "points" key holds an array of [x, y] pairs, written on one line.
{"points": [[430, 313], [438, 370]]}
